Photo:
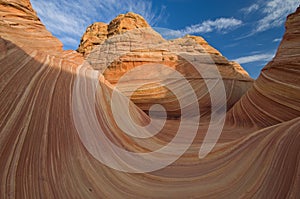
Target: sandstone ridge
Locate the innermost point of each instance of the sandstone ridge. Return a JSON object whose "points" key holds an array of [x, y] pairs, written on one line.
{"points": [[42, 154], [137, 44], [98, 32]]}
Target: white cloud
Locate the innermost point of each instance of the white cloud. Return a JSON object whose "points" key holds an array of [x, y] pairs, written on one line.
{"points": [[271, 13], [69, 19], [220, 25], [277, 40], [250, 9], [69, 40], [275, 13], [255, 58]]}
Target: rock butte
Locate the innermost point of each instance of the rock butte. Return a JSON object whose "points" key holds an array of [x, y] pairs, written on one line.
{"points": [[41, 155], [140, 45]]}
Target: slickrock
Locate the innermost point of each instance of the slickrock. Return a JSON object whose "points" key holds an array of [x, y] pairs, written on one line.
{"points": [[43, 154], [275, 95], [138, 45], [95, 34], [20, 24], [98, 32], [126, 22]]}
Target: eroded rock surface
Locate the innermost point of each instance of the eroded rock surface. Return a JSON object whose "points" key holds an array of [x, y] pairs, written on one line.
{"points": [[275, 95], [137, 45], [43, 156]]}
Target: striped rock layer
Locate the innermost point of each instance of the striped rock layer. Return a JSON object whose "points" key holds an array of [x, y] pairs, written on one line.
{"points": [[42, 155], [128, 43]]}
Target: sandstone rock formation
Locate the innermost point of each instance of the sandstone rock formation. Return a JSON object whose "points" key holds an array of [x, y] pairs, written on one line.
{"points": [[42, 155], [275, 95], [98, 32], [95, 34], [125, 22], [131, 43], [19, 23]]}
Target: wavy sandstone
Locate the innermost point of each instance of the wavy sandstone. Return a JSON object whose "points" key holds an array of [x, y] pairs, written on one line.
{"points": [[274, 97], [42, 155], [128, 42]]}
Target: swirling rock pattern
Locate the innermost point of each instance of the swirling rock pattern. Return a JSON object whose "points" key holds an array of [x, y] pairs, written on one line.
{"points": [[41, 155], [274, 98], [19, 23], [140, 45]]}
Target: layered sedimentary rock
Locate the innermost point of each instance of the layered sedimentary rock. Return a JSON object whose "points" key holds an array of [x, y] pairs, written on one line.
{"points": [[42, 154], [95, 34], [131, 44], [125, 22], [275, 95], [19, 23], [98, 32]]}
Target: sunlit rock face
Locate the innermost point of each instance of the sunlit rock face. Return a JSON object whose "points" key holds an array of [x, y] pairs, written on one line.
{"points": [[275, 95], [20, 23], [43, 155], [98, 32], [130, 43], [95, 34]]}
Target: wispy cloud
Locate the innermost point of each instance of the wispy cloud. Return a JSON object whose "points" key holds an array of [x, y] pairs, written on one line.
{"points": [[250, 9], [277, 40], [272, 14], [255, 58], [69, 40], [222, 25], [68, 20], [275, 13]]}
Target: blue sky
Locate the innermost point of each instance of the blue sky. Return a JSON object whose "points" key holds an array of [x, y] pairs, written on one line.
{"points": [[247, 31]]}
